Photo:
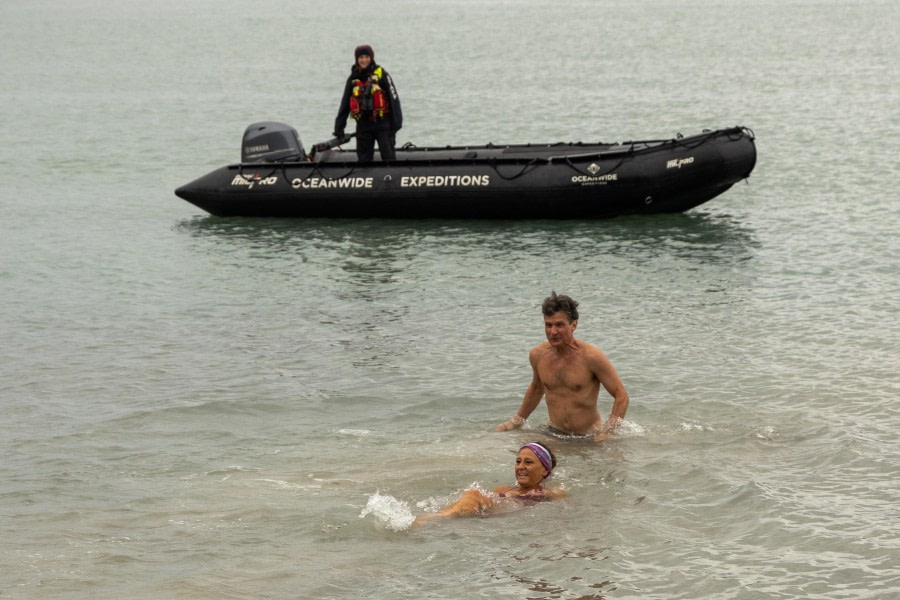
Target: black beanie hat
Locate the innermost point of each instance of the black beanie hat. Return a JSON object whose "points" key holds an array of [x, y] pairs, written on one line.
{"points": [[364, 49]]}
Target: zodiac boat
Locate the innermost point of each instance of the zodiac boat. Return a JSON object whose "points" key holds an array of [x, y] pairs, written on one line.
{"points": [[278, 178]]}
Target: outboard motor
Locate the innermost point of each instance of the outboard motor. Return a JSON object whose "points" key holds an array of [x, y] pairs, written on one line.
{"points": [[270, 141]]}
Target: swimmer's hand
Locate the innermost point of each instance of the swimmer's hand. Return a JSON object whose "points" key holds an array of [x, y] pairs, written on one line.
{"points": [[421, 520], [612, 425], [515, 423]]}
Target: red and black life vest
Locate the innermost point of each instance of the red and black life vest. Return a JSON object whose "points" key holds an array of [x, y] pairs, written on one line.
{"points": [[368, 100]]}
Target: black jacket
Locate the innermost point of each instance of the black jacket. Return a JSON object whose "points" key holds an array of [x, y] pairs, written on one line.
{"points": [[394, 120]]}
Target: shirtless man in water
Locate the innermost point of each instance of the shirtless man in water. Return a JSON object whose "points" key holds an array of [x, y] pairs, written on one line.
{"points": [[570, 372]]}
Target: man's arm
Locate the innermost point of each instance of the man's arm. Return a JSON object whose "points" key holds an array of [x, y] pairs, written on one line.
{"points": [[532, 398], [620, 405], [608, 376]]}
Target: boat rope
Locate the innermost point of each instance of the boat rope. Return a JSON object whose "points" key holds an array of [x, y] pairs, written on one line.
{"points": [[733, 134], [317, 169], [280, 165], [531, 163], [247, 178], [568, 161], [695, 144]]}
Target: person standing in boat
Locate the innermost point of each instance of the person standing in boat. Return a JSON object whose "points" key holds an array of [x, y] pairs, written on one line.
{"points": [[371, 98], [570, 373]]}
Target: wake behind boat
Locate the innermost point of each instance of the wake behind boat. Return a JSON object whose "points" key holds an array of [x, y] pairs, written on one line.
{"points": [[277, 178]]}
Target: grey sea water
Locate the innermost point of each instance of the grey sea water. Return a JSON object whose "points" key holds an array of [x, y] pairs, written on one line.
{"points": [[197, 407]]}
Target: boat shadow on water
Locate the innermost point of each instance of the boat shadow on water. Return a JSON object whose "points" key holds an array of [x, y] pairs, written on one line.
{"points": [[696, 236]]}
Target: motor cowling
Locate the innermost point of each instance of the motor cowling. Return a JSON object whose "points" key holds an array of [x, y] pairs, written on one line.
{"points": [[269, 141]]}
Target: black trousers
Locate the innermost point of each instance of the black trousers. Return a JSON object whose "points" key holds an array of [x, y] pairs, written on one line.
{"points": [[366, 136]]}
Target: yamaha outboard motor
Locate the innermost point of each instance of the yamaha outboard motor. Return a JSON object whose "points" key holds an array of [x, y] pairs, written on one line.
{"points": [[270, 141]]}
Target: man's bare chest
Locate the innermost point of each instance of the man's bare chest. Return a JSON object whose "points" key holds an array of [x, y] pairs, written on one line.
{"points": [[568, 373]]}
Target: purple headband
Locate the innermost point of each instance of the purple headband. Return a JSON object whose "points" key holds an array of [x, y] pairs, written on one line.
{"points": [[543, 455]]}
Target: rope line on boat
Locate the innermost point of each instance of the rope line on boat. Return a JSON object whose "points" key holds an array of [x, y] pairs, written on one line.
{"points": [[282, 166], [269, 174], [531, 163], [732, 134], [696, 143], [279, 166], [629, 149], [568, 161], [316, 169]]}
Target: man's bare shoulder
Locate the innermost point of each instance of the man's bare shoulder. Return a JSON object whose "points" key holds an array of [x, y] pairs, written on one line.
{"points": [[589, 348], [594, 355], [540, 350]]}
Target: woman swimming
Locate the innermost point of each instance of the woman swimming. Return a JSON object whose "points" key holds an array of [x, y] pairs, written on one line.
{"points": [[534, 464]]}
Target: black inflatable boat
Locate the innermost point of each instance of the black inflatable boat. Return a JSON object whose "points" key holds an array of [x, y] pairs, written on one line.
{"points": [[278, 178]]}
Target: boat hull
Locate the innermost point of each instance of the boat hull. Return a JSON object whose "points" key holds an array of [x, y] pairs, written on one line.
{"points": [[554, 181]]}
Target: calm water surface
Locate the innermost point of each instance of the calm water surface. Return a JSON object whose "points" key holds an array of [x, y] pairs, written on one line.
{"points": [[207, 408]]}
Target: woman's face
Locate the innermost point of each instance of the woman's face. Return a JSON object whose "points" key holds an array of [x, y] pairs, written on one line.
{"points": [[364, 61], [529, 470]]}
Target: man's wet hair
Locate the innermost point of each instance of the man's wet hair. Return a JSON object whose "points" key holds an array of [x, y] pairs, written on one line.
{"points": [[555, 303]]}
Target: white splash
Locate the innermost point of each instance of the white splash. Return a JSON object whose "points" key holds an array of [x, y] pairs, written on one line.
{"points": [[631, 428], [766, 433], [695, 427], [355, 432], [392, 513]]}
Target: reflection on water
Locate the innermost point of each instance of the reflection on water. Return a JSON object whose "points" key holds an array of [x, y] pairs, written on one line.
{"points": [[370, 245], [581, 556], [376, 292]]}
